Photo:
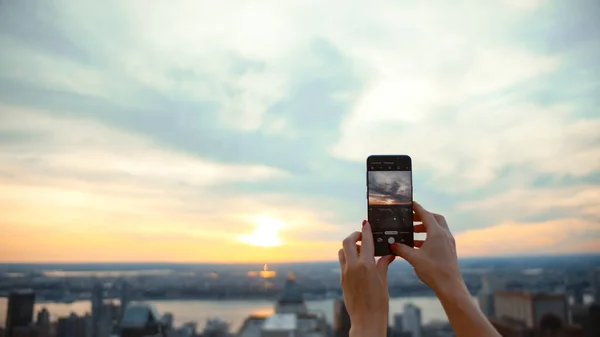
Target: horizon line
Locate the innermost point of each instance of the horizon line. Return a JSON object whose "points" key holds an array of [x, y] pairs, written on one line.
{"points": [[284, 262]]}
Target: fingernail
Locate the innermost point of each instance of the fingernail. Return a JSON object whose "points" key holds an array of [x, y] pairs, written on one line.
{"points": [[364, 222]]}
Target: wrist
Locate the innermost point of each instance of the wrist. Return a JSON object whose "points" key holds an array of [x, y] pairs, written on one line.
{"points": [[368, 331], [452, 288]]}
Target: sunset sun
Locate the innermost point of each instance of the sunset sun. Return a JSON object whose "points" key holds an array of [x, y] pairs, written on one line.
{"points": [[265, 234]]}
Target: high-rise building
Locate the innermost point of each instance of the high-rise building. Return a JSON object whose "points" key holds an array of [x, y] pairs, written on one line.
{"points": [[398, 322], [43, 318], [43, 323], [485, 298], [19, 314], [125, 298], [575, 285], [596, 285], [292, 299], [530, 312], [97, 309], [341, 319], [412, 320], [398, 329], [72, 326]]}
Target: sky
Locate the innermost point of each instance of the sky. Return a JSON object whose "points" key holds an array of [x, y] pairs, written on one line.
{"points": [[230, 131]]}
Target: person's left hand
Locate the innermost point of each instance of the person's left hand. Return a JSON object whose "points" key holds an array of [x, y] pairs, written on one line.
{"points": [[365, 285]]}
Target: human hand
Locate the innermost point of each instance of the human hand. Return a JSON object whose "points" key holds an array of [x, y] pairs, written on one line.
{"points": [[364, 283], [435, 261]]}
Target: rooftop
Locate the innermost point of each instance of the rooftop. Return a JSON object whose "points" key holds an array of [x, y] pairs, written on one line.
{"points": [[252, 327], [139, 314], [291, 292], [280, 322], [530, 295]]}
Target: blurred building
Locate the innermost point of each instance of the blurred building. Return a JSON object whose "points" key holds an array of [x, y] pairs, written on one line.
{"points": [[341, 319], [520, 313], [292, 299], [485, 298], [216, 327], [141, 320], [19, 313], [291, 318], [74, 326], [398, 328], [97, 310], [575, 285], [167, 321], [596, 285], [411, 320], [186, 330], [438, 329], [43, 324], [587, 318], [125, 298]]}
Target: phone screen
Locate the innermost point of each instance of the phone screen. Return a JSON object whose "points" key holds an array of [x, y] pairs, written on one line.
{"points": [[389, 198]]}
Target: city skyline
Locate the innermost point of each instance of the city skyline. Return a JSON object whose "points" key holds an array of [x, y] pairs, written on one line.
{"points": [[229, 133]]}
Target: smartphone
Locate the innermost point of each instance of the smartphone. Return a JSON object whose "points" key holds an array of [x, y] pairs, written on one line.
{"points": [[389, 201]]}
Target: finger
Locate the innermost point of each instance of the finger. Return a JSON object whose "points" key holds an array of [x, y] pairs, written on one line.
{"points": [[419, 243], [404, 252], [420, 228], [416, 217], [349, 245], [428, 220], [383, 264], [441, 220], [358, 249], [367, 245], [341, 258]]}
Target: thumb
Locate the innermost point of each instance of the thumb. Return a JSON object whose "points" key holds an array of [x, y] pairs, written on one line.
{"points": [[405, 252], [383, 264]]}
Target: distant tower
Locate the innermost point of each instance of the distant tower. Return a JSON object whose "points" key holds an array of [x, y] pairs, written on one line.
{"points": [[412, 320], [490, 283], [97, 309], [19, 313], [341, 319], [292, 300], [70, 326], [398, 330], [575, 284], [125, 298], [43, 322], [578, 294], [596, 285]]}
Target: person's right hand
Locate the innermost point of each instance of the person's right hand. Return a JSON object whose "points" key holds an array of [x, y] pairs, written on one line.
{"points": [[434, 259]]}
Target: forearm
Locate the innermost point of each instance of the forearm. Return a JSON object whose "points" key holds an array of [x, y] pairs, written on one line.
{"points": [[368, 332], [371, 328], [464, 315]]}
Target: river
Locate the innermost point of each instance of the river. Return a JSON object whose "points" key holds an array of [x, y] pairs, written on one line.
{"points": [[235, 311]]}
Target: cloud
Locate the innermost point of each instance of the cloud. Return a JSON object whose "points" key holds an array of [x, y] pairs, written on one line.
{"points": [[82, 147], [79, 181], [579, 201], [512, 238], [154, 121]]}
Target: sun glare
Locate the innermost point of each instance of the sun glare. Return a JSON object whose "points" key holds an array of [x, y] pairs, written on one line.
{"points": [[265, 234]]}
